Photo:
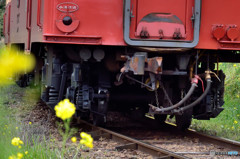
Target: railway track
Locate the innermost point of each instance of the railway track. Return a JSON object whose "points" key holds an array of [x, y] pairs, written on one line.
{"points": [[223, 142], [145, 140], [131, 143], [161, 141]]}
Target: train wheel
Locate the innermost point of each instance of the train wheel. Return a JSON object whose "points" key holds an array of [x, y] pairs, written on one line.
{"points": [[160, 118], [184, 121], [22, 81], [99, 120], [99, 114]]}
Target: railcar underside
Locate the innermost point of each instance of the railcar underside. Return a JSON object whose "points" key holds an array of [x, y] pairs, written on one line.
{"points": [[98, 79], [157, 57]]}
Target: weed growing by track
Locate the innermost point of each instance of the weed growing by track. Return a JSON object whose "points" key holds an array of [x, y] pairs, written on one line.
{"points": [[16, 106], [227, 124], [13, 107]]}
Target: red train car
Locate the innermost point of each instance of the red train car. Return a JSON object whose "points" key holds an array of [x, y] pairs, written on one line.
{"points": [[129, 54]]}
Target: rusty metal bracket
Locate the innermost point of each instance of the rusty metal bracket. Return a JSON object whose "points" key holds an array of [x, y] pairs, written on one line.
{"points": [[139, 63]]}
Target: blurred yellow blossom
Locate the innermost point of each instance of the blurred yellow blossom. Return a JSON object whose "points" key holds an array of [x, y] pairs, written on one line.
{"points": [[13, 62], [86, 140], [235, 108], [65, 109], [235, 121], [19, 147], [74, 139], [232, 127], [12, 157], [30, 123], [16, 141], [19, 155], [26, 152], [16, 127], [234, 65]]}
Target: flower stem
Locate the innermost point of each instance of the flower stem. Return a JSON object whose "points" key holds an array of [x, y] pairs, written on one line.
{"points": [[65, 136]]}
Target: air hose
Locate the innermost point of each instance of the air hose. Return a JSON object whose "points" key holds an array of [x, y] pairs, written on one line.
{"points": [[198, 100], [190, 92]]}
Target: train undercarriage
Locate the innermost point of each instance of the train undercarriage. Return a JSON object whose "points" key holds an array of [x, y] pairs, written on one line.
{"points": [[98, 79]]}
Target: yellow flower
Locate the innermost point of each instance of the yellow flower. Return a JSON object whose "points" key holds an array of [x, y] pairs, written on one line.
{"points": [[86, 140], [74, 139], [26, 152], [19, 147], [19, 155], [16, 127], [30, 123], [65, 109], [12, 157], [232, 127], [16, 141], [13, 62], [20, 142], [234, 65], [235, 121]]}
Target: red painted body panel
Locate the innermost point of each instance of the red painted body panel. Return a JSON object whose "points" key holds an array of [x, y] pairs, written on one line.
{"points": [[18, 31], [101, 21], [6, 27], [218, 12]]}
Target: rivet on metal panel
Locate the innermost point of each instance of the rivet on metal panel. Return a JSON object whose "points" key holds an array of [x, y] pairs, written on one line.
{"points": [[144, 33], [177, 34], [161, 34]]}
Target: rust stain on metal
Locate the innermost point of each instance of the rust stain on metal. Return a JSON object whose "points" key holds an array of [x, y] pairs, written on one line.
{"points": [[154, 65]]}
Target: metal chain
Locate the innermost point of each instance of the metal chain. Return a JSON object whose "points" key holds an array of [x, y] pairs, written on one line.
{"points": [[165, 93], [156, 96]]}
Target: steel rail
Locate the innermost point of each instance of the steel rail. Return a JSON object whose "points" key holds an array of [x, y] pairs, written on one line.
{"points": [[225, 143], [220, 141], [130, 143]]}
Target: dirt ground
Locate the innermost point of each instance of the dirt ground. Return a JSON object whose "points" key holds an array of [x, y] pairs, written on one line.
{"points": [[44, 125]]}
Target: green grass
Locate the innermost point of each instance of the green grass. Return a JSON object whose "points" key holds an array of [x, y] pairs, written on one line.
{"points": [[227, 124], [13, 107]]}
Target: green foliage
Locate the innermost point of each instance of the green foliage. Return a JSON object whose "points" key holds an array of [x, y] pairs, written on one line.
{"points": [[10, 126], [15, 105], [2, 10], [227, 124], [232, 81]]}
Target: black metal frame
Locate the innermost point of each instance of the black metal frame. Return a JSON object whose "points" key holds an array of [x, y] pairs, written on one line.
{"points": [[162, 43]]}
